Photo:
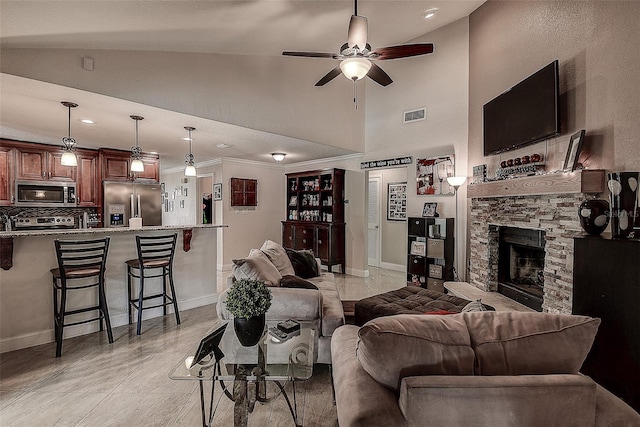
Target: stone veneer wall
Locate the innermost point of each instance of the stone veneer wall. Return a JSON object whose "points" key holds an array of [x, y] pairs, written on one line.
{"points": [[557, 215]]}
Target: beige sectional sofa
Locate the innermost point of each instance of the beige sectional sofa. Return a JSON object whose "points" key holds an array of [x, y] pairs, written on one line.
{"points": [[471, 369], [321, 306]]}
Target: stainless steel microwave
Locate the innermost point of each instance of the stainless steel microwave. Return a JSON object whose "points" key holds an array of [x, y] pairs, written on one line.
{"points": [[45, 194]]}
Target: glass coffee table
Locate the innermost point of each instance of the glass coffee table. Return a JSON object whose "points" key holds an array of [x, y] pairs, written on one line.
{"points": [[250, 369]]}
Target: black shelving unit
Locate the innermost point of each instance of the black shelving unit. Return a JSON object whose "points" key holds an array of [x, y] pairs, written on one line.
{"points": [[606, 284], [430, 251]]}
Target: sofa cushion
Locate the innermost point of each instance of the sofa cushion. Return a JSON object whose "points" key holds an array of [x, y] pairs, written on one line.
{"points": [[304, 263], [518, 343], [393, 347], [256, 267], [289, 281], [278, 257], [332, 310]]}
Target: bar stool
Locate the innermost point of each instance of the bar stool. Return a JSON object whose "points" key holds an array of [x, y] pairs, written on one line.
{"points": [[154, 252], [79, 259]]}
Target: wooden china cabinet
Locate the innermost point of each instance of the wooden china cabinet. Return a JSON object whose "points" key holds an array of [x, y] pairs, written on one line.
{"points": [[315, 215]]}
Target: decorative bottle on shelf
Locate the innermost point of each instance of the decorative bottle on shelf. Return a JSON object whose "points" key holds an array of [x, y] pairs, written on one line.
{"points": [[623, 187]]}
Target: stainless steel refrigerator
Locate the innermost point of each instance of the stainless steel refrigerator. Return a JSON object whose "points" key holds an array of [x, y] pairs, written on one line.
{"points": [[124, 200]]}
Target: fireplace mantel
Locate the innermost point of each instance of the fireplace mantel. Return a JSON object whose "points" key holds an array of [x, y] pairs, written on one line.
{"points": [[582, 181]]}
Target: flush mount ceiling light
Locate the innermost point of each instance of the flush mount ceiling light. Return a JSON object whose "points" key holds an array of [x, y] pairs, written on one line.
{"points": [[69, 155], [278, 157], [223, 146], [136, 163], [430, 13], [190, 170]]}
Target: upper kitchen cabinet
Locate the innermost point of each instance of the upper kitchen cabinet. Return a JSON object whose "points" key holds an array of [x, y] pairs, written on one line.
{"points": [[6, 175], [38, 162], [116, 166], [87, 181]]}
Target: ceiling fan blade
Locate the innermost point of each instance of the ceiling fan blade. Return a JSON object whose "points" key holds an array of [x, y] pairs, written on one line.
{"points": [[329, 76], [310, 54], [358, 28], [378, 75], [402, 51]]}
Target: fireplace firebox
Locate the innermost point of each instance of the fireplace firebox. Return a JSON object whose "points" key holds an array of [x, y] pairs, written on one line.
{"points": [[521, 265]]}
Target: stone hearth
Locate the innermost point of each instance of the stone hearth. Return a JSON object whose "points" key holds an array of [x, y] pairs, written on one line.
{"points": [[555, 214]]}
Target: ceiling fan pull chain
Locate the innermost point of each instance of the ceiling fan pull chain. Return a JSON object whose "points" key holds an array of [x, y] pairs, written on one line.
{"points": [[355, 93]]}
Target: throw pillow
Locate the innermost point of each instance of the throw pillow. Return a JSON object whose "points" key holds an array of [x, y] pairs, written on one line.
{"points": [[524, 343], [304, 263], [256, 267], [473, 306], [391, 348], [278, 256], [289, 281]]}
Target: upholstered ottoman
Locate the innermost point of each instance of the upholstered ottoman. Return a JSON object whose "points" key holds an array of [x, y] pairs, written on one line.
{"points": [[407, 300]]}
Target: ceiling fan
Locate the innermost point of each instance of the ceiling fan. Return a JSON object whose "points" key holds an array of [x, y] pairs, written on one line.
{"points": [[356, 55]]}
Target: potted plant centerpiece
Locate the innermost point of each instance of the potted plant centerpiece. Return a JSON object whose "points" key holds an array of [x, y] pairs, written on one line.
{"points": [[248, 301]]}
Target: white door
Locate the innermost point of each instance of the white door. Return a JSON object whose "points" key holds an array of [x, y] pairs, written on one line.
{"points": [[374, 221]]}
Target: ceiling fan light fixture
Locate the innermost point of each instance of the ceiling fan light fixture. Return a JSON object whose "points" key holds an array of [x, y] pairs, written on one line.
{"points": [[278, 157], [69, 144], [355, 68], [136, 151]]}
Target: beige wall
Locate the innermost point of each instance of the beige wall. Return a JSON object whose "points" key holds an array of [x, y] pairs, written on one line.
{"points": [[438, 82], [272, 94], [249, 227], [596, 44]]}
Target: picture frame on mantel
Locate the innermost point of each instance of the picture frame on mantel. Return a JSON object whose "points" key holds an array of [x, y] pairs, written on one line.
{"points": [[573, 152]]}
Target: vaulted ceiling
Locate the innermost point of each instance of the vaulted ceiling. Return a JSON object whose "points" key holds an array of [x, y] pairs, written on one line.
{"points": [[30, 109]]}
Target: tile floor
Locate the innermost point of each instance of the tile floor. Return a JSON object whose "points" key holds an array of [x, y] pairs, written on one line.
{"points": [[126, 383]]}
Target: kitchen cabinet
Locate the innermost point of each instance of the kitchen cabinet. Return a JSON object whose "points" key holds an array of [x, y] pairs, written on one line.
{"points": [[315, 215], [606, 284], [87, 180], [6, 176], [38, 162], [115, 166], [430, 252]]}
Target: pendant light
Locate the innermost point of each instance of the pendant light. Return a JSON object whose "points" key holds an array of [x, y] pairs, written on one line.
{"points": [[136, 163], [190, 170], [69, 156]]}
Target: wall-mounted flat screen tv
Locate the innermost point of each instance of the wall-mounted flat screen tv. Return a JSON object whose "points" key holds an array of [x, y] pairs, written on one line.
{"points": [[524, 114]]}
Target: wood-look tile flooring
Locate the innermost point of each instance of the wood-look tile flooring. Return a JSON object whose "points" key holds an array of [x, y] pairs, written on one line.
{"points": [[95, 383]]}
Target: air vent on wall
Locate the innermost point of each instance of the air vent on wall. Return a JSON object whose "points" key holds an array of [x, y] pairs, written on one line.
{"points": [[414, 115]]}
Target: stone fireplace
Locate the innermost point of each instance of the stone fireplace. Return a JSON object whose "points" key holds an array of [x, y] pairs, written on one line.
{"points": [[552, 216]]}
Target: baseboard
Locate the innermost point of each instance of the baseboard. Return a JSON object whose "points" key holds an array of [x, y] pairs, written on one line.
{"points": [[394, 267], [47, 336], [357, 273]]}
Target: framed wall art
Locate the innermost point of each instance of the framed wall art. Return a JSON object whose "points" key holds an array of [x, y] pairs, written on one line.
{"points": [[217, 191], [397, 201], [431, 175]]}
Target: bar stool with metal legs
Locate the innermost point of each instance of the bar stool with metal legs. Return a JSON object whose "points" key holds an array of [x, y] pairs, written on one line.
{"points": [[78, 261], [154, 252]]}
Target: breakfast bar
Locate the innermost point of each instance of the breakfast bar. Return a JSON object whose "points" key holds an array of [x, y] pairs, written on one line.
{"points": [[26, 300]]}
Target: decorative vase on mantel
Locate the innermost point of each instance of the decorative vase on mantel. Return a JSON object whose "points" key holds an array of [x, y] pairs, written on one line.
{"points": [[623, 187], [594, 216], [249, 330]]}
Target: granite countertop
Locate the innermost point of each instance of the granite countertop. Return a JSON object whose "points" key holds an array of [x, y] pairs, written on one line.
{"points": [[62, 232]]}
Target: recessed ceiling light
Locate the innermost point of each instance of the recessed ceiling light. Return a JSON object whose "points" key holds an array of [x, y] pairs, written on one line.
{"points": [[87, 121], [430, 13], [153, 152], [186, 138], [223, 146]]}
